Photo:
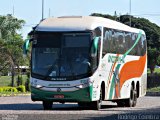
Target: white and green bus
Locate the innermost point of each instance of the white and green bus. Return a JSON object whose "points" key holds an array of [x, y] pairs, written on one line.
{"points": [[87, 60]]}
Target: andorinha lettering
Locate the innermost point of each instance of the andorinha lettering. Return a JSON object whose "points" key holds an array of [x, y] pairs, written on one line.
{"points": [[118, 59]]}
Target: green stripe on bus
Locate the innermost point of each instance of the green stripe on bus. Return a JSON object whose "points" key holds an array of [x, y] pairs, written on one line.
{"points": [[91, 92], [113, 83]]}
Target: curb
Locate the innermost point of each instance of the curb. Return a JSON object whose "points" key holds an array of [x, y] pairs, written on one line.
{"points": [[12, 95], [153, 94]]}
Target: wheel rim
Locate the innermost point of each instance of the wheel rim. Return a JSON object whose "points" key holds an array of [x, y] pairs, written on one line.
{"points": [[135, 98], [131, 97]]}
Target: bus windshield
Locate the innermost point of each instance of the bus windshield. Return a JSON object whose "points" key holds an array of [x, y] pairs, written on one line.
{"points": [[64, 55]]}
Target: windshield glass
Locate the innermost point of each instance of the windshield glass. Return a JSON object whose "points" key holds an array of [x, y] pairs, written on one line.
{"points": [[61, 55]]}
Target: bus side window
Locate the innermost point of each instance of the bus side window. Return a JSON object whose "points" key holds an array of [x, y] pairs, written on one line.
{"points": [[143, 45], [106, 41], [114, 40], [128, 40], [121, 43], [137, 45]]}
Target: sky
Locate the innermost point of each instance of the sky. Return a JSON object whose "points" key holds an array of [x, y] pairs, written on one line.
{"points": [[31, 10]]}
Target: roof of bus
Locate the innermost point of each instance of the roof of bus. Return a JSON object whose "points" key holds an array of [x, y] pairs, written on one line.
{"points": [[81, 23]]}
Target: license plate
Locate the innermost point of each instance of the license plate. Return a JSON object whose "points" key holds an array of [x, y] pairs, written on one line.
{"points": [[58, 96]]}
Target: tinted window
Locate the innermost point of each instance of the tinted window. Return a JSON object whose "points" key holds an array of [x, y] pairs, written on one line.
{"points": [[119, 42], [76, 41], [49, 40]]}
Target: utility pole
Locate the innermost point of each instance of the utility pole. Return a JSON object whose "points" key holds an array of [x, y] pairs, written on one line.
{"points": [[13, 11], [42, 9], [130, 12], [49, 13], [13, 8], [115, 15]]}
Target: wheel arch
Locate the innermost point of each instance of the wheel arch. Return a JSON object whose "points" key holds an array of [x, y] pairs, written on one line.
{"points": [[133, 84]]}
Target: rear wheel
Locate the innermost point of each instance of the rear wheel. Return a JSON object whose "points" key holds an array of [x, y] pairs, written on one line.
{"points": [[131, 102], [47, 105], [135, 98]]}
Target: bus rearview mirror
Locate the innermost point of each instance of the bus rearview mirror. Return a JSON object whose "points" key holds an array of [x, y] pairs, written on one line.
{"points": [[94, 47], [26, 46]]}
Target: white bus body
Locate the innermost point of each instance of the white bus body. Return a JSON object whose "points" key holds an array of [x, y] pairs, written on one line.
{"points": [[115, 70]]}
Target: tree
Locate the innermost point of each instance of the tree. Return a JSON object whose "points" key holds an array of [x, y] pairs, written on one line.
{"points": [[153, 54], [3, 58], [11, 43]]}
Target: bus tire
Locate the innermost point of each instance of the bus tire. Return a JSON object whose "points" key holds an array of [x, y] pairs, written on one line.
{"points": [[96, 105], [135, 98], [47, 105], [129, 102]]}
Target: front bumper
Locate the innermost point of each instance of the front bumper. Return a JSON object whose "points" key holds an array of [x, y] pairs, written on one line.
{"points": [[81, 95]]}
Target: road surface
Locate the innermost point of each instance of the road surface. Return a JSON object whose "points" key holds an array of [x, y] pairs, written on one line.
{"points": [[22, 108]]}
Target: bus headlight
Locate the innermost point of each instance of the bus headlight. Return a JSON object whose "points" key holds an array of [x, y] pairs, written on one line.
{"points": [[38, 86], [82, 86], [79, 86]]}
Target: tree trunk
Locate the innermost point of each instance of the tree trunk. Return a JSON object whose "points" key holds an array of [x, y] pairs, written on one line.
{"points": [[13, 74], [152, 67]]}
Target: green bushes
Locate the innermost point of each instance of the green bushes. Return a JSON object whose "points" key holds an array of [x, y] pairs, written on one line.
{"points": [[20, 88], [1, 90], [27, 83], [8, 89]]}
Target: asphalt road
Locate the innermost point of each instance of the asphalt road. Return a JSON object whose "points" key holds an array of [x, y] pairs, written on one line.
{"points": [[22, 108]]}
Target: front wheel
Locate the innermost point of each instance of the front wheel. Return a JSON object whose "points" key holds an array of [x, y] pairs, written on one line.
{"points": [[96, 105], [47, 105]]}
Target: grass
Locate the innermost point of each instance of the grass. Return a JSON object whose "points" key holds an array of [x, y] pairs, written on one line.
{"points": [[13, 94], [6, 80], [154, 89], [156, 70]]}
